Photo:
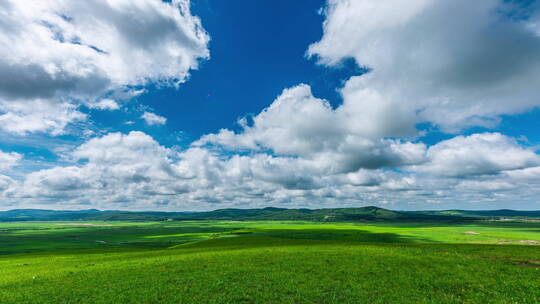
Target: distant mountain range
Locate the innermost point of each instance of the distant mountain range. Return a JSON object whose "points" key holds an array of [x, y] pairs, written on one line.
{"points": [[270, 213]]}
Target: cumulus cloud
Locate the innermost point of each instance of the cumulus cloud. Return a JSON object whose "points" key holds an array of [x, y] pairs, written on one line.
{"points": [[297, 152], [475, 185], [528, 174], [9, 159], [451, 63], [116, 148], [116, 165], [6, 183], [38, 115], [56, 55], [106, 104], [298, 124], [133, 171], [477, 154], [152, 119]]}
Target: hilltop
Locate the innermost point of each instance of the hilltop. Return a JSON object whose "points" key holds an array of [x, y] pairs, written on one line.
{"points": [[270, 213], [361, 214]]}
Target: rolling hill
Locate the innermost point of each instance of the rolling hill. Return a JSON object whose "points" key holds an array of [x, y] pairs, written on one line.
{"points": [[331, 214], [493, 214], [270, 213]]}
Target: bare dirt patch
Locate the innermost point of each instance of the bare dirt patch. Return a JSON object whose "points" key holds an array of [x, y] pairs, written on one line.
{"points": [[471, 233], [528, 242], [516, 261], [83, 224], [529, 263]]}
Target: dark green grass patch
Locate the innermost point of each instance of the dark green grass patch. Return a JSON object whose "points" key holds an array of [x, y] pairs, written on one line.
{"points": [[271, 270], [269, 262]]}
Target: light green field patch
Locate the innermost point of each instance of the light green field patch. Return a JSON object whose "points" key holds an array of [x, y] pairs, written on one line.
{"points": [[269, 262]]}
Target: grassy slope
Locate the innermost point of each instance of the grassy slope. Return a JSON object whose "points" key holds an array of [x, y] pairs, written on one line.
{"points": [[277, 262], [504, 213], [362, 214], [46, 236], [331, 214]]}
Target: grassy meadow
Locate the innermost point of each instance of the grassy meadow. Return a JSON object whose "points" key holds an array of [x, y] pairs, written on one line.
{"points": [[269, 262]]}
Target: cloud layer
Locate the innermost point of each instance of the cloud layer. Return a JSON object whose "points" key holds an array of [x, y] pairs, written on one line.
{"points": [[452, 64], [8, 160], [57, 55], [133, 171], [152, 119]]}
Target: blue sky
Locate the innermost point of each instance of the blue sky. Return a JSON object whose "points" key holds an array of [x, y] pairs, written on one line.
{"points": [[257, 50], [196, 105]]}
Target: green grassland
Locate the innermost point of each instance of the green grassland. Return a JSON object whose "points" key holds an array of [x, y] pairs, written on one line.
{"points": [[269, 262]]}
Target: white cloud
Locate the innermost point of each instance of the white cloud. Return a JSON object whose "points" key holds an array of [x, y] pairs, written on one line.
{"points": [[152, 119], [478, 154], [106, 104], [133, 171], [118, 148], [452, 63], [6, 183], [8, 160], [21, 118], [117, 165], [56, 55], [531, 174], [491, 185], [298, 124]]}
